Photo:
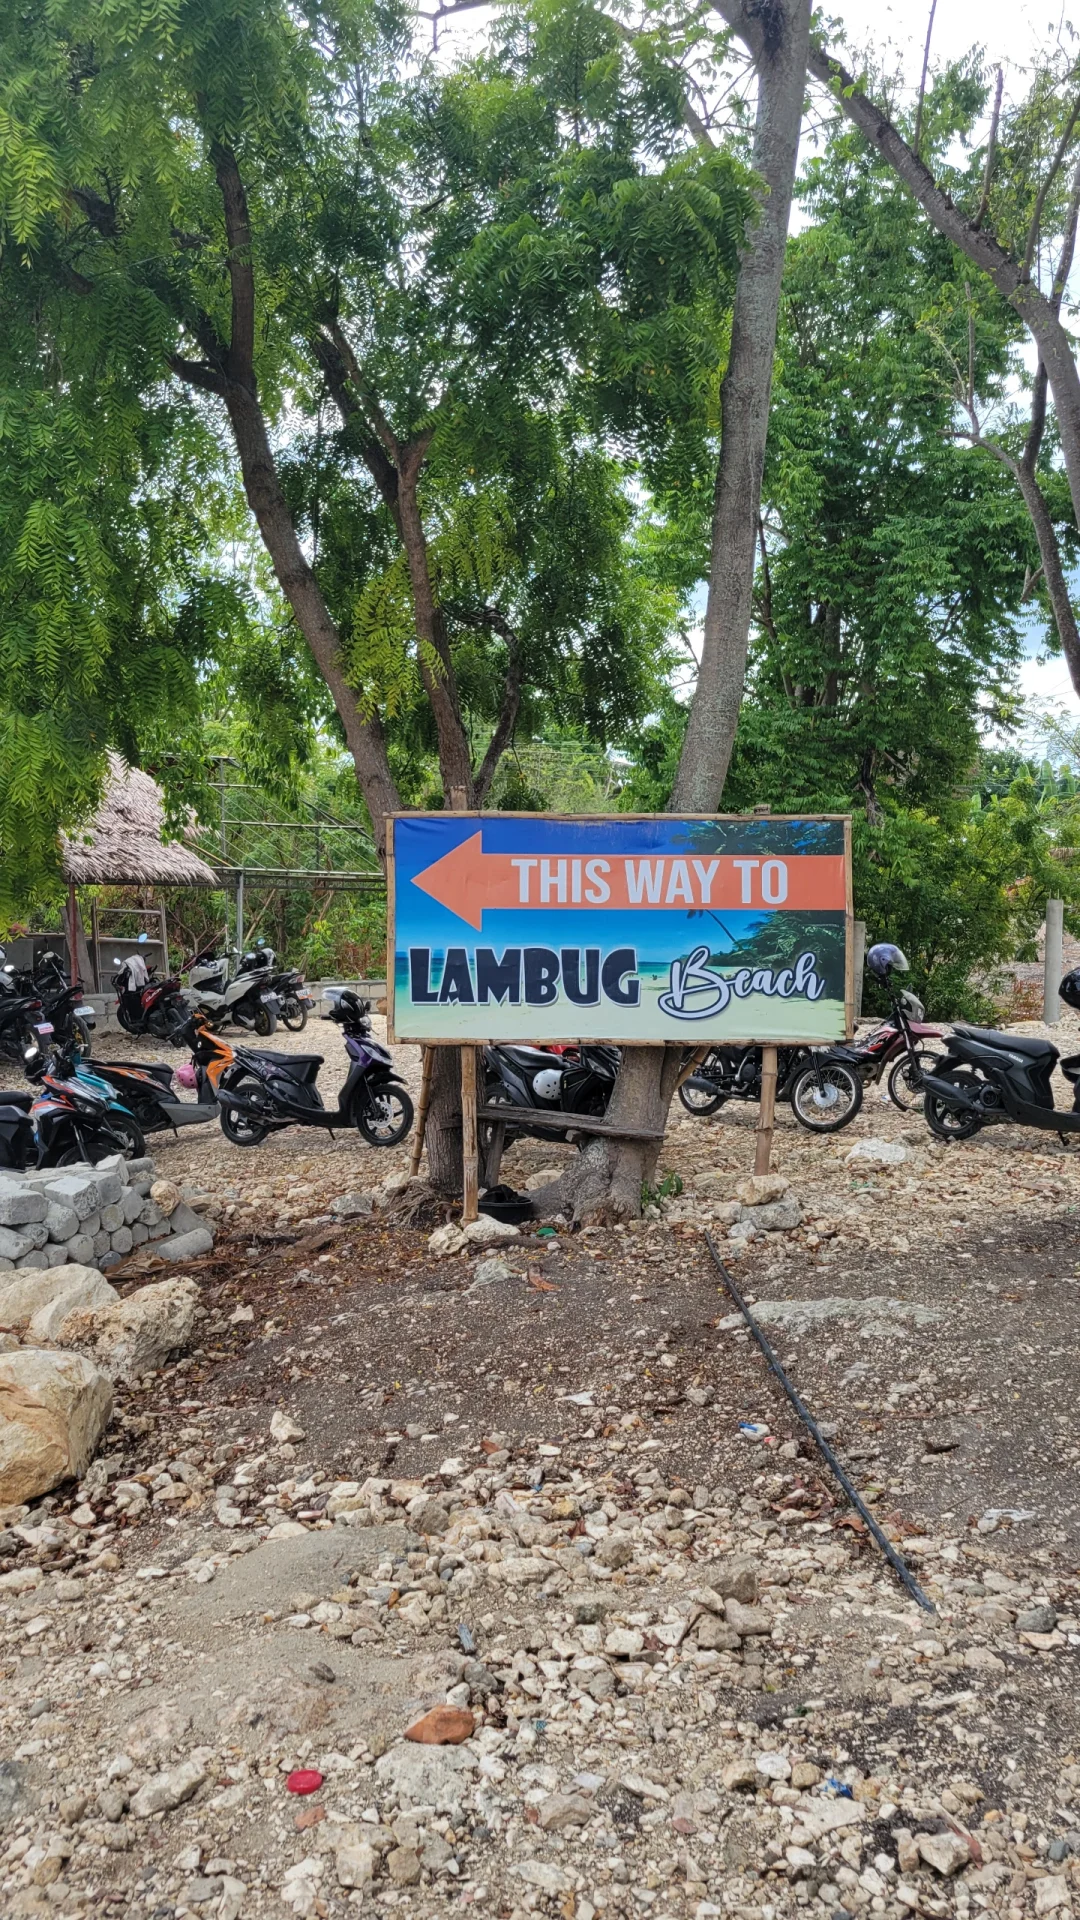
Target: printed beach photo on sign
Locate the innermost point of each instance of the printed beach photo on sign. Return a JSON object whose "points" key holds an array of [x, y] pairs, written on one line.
{"points": [[700, 930]]}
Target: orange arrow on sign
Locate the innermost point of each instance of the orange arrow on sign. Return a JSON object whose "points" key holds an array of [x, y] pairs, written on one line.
{"points": [[467, 881]]}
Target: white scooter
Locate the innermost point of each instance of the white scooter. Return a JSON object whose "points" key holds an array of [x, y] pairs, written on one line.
{"points": [[244, 997]]}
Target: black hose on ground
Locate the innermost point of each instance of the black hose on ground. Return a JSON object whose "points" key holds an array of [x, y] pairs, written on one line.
{"points": [[898, 1565]]}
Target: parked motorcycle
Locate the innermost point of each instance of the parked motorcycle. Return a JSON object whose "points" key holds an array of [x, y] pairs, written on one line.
{"points": [[146, 1004], [22, 1021], [989, 1078], [144, 1090], [540, 1080], [73, 1121], [63, 1005], [900, 1043], [734, 1073], [260, 1092], [288, 983], [824, 1084], [245, 997]]}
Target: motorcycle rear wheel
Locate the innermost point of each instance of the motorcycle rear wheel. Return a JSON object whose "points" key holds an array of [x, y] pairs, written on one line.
{"points": [[905, 1078], [293, 1014], [125, 1020], [953, 1123], [826, 1098], [698, 1102], [240, 1127], [123, 1135], [84, 1037], [265, 1022], [391, 1119]]}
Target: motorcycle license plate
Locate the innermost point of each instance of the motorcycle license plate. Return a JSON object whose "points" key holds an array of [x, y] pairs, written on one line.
{"points": [[266, 996], [44, 1026], [86, 1012], [305, 999]]}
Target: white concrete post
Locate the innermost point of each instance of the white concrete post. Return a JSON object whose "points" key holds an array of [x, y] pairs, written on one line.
{"points": [[1052, 961]]}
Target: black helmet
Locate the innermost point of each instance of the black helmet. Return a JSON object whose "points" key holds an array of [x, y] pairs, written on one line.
{"points": [[885, 959], [1069, 989]]}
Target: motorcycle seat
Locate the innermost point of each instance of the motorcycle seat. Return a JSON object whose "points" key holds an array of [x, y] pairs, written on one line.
{"points": [[531, 1057], [1015, 1042], [292, 1059], [18, 1099]]}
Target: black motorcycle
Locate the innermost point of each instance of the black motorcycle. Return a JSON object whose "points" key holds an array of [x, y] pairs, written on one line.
{"points": [[538, 1080], [1002, 1079], [260, 1092], [22, 1022], [71, 1121], [823, 1085], [63, 1006], [287, 982]]}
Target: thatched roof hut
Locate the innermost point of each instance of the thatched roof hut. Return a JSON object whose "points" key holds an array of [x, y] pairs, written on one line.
{"points": [[122, 846]]}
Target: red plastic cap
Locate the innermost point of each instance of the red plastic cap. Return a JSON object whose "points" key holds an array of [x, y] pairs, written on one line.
{"points": [[304, 1780]]}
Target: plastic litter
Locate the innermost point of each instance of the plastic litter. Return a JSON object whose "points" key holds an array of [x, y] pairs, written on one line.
{"points": [[304, 1780]]}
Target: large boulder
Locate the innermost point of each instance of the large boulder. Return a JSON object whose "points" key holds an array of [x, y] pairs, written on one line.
{"points": [[134, 1336], [41, 1299], [54, 1407]]}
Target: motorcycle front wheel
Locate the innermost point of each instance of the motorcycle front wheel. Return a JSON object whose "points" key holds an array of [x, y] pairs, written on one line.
{"points": [[948, 1122], [293, 1014], [84, 1037], [906, 1078], [826, 1098], [243, 1129], [265, 1021], [700, 1100], [388, 1119]]}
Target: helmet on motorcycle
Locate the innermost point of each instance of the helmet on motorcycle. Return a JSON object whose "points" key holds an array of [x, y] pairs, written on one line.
{"points": [[1069, 989], [884, 959]]}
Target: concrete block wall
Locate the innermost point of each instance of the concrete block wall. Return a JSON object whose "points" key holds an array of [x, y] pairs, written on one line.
{"points": [[94, 1216]]}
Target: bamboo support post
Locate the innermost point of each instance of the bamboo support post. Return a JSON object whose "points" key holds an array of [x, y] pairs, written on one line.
{"points": [[766, 1112], [470, 1183], [421, 1112]]}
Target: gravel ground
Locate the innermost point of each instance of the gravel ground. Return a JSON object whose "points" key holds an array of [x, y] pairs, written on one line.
{"points": [[517, 1483]]}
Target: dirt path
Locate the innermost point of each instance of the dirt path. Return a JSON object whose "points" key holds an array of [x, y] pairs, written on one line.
{"points": [[695, 1688]]}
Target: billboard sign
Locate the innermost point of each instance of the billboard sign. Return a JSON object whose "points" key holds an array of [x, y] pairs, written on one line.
{"points": [[626, 927]]}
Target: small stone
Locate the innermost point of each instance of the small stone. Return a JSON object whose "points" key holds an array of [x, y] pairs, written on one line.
{"points": [[759, 1189], [715, 1636], [615, 1551], [166, 1196], [430, 1517], [800, 1860], [1036, 1620], [355, 1864], [740, 1776], [1051, 1893], [168, 1790], [624, 1642], [403, 1866], [285, 1430], [878, 1153], [349, 1206], [747, 1621], [773, 1766], [945, 1852], [981, 1660], [735, 1579], [804, 1774], [562, 1810], [442, 1727]]}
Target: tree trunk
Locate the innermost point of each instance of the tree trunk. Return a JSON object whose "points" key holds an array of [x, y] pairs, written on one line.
{"points": [[436, 664], [442, 1140], [604, 1183], [744, 395], [364, 737]]}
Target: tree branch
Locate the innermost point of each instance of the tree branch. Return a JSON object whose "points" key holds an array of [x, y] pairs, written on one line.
{"points": [[991, 153], [922, 82], [1040, 198], [197, 374], [511, 700], [241, 354]]}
